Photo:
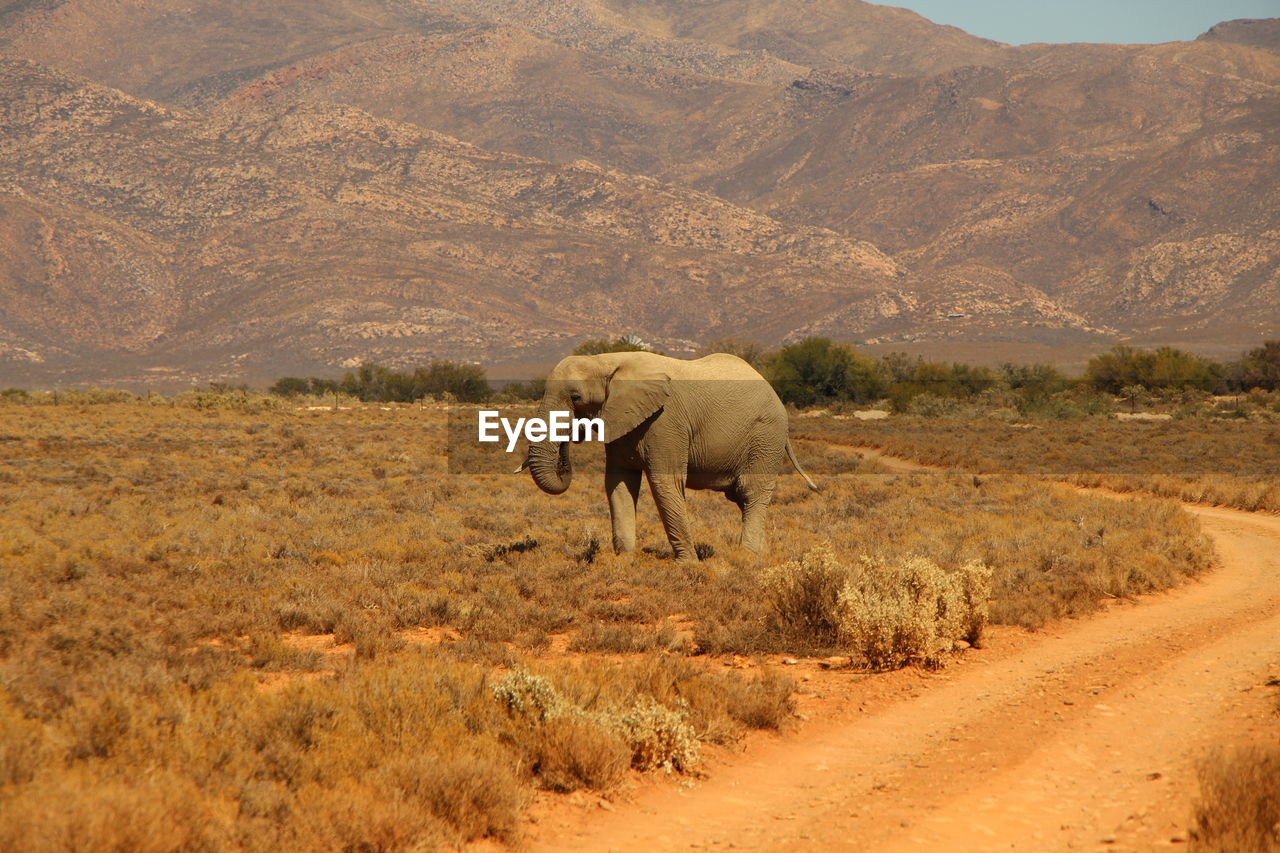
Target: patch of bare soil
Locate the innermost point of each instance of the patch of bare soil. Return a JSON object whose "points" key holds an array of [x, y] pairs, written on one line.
{"points": [[1085, 735]]}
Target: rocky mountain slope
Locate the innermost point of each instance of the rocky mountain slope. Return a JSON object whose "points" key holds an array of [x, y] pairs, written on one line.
{"points": [[1255, 32], [206, 190], [1139, 187], [323, 236]]}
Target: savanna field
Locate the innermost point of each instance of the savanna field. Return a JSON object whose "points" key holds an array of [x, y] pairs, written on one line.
{"points": [[1203, 459], [241, 623]]}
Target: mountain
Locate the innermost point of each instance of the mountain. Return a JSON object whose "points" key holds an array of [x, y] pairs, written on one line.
{"points": [[323, 236], [502, 88], [206, 190], [1255, 32], [1139, 188], [819, 33]]}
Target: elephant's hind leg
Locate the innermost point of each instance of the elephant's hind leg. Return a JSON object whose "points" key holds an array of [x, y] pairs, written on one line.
{"points": [[668, 494], [623, 488], [756, 494]]}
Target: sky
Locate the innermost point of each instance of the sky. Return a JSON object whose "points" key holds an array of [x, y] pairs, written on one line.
{"points": [[1126, 21]]}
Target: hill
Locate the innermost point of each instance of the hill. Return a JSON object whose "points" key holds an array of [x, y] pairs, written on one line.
{"points": [[150, 239], [194, 188]]}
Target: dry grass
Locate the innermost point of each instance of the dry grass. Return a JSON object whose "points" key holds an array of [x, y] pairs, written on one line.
{"points": [[161, 566], [1207, 460], [1239, 807]]}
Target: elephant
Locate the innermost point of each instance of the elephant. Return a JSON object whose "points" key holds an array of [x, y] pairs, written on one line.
{"points": [[709, 423]]}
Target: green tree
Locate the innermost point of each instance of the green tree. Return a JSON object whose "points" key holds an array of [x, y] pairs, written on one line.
{"points": [[1033, 381], [290, 386], [599, 346], [1111, 371], [466, 382], [1165, 368], [1175, 369], [376, 383], [1258, 368], [815, 370]]}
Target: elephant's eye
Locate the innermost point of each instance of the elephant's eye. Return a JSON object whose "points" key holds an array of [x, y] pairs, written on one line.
{"points": [[575, 396]]}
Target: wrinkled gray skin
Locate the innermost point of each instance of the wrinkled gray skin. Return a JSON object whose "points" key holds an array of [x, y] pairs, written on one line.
{"points": [[713, 423]]}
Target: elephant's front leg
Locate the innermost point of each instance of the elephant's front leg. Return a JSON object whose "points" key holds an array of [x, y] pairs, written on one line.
{"points": [[668, 494], [623, 488]]}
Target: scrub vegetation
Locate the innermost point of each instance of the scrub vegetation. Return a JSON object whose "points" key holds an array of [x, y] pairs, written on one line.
{"points": [[241, 622], [1239, 806], [1228, 461]]}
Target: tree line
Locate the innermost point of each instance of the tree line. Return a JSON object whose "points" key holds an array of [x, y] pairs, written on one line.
{"points": [[818, 371]]}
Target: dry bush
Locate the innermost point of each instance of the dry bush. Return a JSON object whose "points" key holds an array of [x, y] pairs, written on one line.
{"points": [[805, 597], [1251, 495], [23, 749], [660, 707], [720, 704], [658, 736], [654, 735], [475, 794], [890, 612], [897, 612], [350, 815], [1239, 806], [103, 810], [572, 751], [598, 637]]}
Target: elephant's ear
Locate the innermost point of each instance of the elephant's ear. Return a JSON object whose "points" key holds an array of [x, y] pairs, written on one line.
{"points": [[632, 397]]}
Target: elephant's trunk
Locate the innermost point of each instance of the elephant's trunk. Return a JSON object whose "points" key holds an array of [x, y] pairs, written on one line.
{"points": [[549, 463]]}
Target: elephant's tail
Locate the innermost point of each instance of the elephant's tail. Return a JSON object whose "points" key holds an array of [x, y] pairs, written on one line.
{"points": [[791, 454]]}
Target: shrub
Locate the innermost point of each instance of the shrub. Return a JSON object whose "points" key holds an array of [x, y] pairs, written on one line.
{"points": [[477, 796], [930, 405], [659, 737], [622, 639], [656, 736], [22, 746], [152, 812], [626, 343], [805, 595], [1239, 807], [910, 610], [890, 612], [530, 696], [223, 398], [574, 751], [757, 703]]}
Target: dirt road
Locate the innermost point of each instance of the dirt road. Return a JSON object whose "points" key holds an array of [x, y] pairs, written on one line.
{"points": [[1082, 736]]}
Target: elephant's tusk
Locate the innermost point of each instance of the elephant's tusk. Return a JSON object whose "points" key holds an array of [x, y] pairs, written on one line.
{"points": [[523, 465]]}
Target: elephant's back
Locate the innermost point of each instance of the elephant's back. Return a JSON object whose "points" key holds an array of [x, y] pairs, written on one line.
{"points": [[739, 389], [722, 365]]}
